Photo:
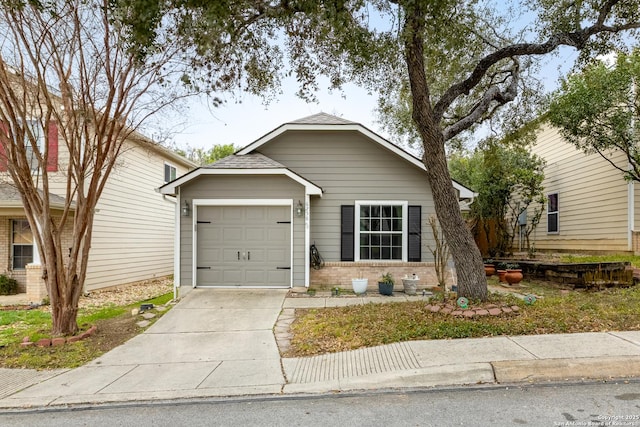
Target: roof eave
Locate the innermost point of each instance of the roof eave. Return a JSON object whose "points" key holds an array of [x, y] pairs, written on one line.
{"points": [[171, 187]]}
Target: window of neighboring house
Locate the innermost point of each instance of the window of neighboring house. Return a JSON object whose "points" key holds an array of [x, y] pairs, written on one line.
{"points": [[552, 213], [382, 230], [35, 128], [169, 172], [21, 244]]}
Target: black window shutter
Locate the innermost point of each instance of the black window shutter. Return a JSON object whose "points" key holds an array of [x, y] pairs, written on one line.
{"points": [[347, 219], [415, 232]]}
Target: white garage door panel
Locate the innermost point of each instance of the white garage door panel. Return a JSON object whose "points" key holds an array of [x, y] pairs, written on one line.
{"points": [[243, 246]]}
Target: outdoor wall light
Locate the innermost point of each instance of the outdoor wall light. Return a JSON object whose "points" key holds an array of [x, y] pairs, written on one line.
{"points": [[185, 209], [299, 209]]}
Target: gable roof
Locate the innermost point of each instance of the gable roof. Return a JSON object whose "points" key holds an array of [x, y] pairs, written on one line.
{"points": [[327, 122], [248, 164]]}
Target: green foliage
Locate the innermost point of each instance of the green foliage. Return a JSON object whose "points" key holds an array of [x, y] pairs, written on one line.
{"points": [[598, 111], [508, 179], [8, 285], [386, 278], [205, 157]]}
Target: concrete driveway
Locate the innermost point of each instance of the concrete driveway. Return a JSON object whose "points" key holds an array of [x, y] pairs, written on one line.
{"points": [[213, 342]]}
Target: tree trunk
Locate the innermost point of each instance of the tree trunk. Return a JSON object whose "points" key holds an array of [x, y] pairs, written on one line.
{"points": [[472, 281], [64, 315]]}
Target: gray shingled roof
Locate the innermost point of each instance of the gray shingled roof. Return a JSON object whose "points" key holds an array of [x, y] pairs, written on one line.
{"points": [[10, 196], [247, 161], [323, 119]]}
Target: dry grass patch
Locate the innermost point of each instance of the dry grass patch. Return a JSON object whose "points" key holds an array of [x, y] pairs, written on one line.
{"points": [[318, 331]]}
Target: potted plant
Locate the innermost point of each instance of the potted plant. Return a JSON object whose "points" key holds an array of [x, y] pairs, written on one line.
{"points": [[385, 285], [514, 274], [359, 284], [410, 284]]}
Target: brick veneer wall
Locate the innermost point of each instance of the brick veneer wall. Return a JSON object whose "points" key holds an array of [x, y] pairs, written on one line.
{"points": [[29, 280], [341, 273]]}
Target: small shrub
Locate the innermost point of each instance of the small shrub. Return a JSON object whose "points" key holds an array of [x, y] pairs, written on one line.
{"points": [[8, 285], [386, 278]]}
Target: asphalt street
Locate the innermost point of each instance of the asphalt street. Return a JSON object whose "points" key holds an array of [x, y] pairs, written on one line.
{"points": [[577, 404]]}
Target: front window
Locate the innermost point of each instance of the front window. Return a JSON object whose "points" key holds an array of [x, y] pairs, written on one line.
{"points": [[21, 244], [169, 172], [382, 230], [552, 214]]}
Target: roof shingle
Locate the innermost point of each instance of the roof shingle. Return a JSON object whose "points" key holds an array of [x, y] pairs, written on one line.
{"points": [[322, 119], [247, 161]]}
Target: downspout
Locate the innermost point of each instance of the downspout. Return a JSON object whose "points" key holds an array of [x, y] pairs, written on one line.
{"points": [[631, 196], [176, 247], [631, 212], [307, 238]]}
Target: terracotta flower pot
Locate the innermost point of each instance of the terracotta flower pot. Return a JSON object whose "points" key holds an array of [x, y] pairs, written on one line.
{"points": [[489, 269], [513, 277], [501, 274]]}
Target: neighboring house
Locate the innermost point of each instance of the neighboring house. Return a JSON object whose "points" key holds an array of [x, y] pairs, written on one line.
{"points": [[250, 219], [133, 233], [590, 207]]}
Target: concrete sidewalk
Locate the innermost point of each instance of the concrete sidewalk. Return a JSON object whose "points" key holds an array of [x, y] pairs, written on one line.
{"points": [[221, 343]]}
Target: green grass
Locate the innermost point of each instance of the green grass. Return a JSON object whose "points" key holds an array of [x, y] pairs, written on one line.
{"points": [[317, 331], [633, 259], [114, 326]]}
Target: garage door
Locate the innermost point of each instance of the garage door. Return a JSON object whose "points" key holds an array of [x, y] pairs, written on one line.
{"points": [[243, 246]]}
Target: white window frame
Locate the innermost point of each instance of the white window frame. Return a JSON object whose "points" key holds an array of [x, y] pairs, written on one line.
{"points": [[13, 245], [35, 126], [556, 213], [171, 168], [405, 228]]}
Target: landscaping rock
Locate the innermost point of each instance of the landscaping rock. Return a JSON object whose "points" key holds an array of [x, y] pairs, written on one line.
{"points": [[58, 341], [148, 316], [143, 323]]}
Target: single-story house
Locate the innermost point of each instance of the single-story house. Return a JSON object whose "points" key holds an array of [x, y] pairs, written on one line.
{"points": [[249, 219], [132, 237], [590, 207]]}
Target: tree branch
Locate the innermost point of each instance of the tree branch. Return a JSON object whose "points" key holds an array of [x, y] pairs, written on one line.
{"points": [[492, 95], [575, 39]]}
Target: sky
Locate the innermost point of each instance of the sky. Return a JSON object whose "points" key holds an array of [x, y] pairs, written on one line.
{"points": [[241, 123]]}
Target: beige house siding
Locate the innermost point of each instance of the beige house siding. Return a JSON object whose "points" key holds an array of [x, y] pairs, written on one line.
{"points": [[349, 168], [592, 198], [241, 188], [133, 232]]}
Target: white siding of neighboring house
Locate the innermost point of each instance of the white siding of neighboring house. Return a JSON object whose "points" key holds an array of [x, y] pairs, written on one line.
{"points": [[133, 233], [592, 197], [133, 230]]}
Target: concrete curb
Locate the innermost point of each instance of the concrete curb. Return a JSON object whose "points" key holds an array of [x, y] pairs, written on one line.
{"points": [[539, 370]]}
